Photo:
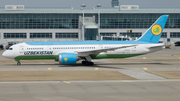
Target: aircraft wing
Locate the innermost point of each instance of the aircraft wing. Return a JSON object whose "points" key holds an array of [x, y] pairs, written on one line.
{"points": [[97, 51]]}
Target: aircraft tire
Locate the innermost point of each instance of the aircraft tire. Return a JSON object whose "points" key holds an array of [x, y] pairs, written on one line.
{"points": [[18, 63], [87, 64], [91, 64], [83, 62]]}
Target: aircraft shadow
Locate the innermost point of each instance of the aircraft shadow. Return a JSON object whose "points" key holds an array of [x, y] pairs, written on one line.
{"points": [[64, 66], [98, 65], [135, 64]]}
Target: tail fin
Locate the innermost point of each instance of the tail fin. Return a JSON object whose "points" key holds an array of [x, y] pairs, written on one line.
{"points": [[154, 33]]}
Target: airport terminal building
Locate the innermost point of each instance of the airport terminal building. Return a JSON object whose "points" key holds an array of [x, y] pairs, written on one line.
{"points": [[126, 22]]}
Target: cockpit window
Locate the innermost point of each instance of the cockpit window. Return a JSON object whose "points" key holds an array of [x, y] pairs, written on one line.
{"points": [[10, 49]]}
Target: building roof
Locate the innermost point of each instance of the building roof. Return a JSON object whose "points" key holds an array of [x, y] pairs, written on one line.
{"points": [[94, 10]]}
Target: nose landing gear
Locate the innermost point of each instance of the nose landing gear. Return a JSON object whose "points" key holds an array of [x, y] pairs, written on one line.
{"points": [[18, 63]]}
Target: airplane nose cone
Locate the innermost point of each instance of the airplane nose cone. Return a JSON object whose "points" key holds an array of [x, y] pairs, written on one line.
{"points": [[4, 54], [8, 54]]}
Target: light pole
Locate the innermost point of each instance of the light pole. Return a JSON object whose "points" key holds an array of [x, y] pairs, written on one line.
{"points": [[98, 5], [83, 6]]}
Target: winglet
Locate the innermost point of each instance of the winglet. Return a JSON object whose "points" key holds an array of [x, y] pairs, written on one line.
{"points": [[153, 34]]}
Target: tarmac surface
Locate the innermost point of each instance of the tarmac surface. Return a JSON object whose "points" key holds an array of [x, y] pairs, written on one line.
{"points": [[150, 77]]}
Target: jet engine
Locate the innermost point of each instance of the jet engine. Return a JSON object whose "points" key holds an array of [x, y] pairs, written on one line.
{"points": [[68, 58]]}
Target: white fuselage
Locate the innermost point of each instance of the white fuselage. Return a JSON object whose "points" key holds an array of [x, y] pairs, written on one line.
{"points": [[25, 49]]}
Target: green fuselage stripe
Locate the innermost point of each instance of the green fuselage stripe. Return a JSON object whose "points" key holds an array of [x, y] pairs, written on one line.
{"points": [[104, 56], [36, 57], [101, 56]]}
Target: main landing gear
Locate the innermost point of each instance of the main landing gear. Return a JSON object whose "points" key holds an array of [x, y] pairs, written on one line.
{"points": [[87, 63], [18, 63]]}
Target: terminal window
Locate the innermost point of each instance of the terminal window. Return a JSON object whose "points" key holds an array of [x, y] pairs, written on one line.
{"points": [[66, 35], [115, 21], [71, 20], [175, 35], [108, 34], [164, 35], [14, 35], [39, 21], [105, 38], [40, 35], [132, 35]]}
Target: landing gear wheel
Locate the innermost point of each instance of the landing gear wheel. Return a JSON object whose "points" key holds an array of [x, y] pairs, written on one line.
{"points": [[91, 64], [18, 63], [84, 62], [88, 63]]}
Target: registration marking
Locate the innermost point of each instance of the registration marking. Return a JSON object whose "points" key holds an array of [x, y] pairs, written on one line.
{"points": [[144, 57], [96, 68], [49, 68]]}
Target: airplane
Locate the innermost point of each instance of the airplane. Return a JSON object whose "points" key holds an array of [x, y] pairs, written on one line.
{"points": [[69, 52]]}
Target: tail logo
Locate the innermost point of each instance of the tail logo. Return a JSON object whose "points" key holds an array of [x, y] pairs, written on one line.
{"points": [[156, 29]]}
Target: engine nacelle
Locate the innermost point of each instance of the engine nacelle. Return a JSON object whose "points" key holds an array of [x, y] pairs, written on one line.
{"points": [[68, 58]]}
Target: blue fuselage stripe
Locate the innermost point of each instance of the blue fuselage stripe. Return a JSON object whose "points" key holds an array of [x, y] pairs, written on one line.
{"points": [[85, 42]]}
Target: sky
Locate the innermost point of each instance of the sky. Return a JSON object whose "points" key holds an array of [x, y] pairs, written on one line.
{"points": [[89, 3]]}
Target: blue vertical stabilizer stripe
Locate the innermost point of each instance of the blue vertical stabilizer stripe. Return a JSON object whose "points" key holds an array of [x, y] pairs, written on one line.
{"points": [[149, 36]]}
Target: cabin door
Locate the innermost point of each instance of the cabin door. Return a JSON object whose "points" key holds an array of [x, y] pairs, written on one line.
{"points": [[21, 49]]}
